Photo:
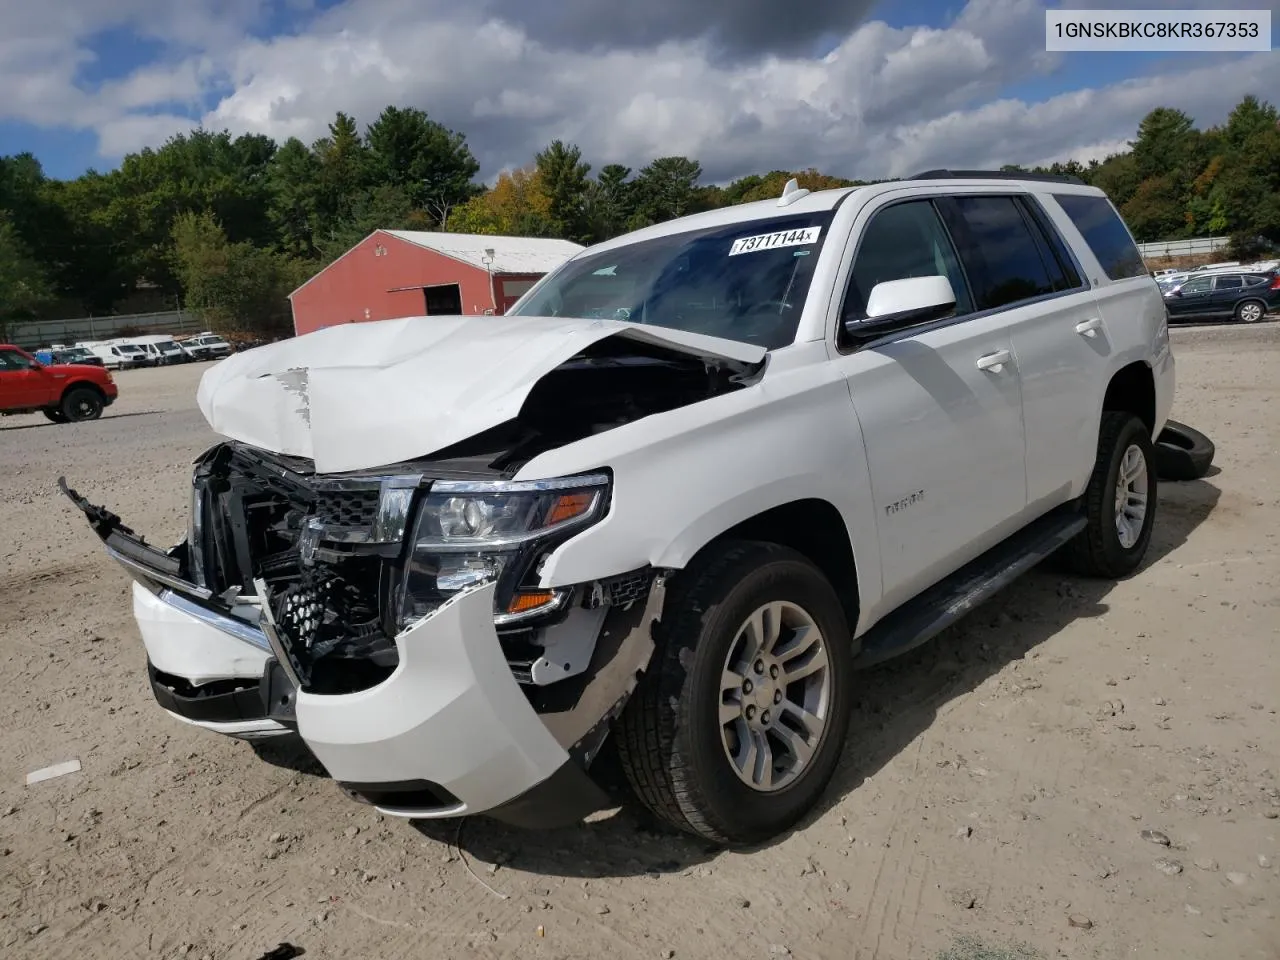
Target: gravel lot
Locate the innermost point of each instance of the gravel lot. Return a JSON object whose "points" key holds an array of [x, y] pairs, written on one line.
{"points": [[998, 786]]}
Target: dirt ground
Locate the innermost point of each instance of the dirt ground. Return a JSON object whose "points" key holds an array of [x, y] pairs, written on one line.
{"points": [[995, 792]]}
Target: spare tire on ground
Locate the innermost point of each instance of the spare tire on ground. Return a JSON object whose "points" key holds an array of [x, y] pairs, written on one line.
{"points": [[1182, 453]]}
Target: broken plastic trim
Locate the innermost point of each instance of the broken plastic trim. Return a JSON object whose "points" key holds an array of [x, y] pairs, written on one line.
{"points": [[151, 566]]}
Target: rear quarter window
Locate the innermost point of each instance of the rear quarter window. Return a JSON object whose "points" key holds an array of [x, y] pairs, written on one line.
{"points": [[1105, 233]]}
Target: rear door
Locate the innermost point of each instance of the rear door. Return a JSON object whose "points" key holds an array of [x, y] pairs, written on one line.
{"points": [[1020, 266], [1228, 290]]}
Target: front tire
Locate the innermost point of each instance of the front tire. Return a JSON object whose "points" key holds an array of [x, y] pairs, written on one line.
{"points": [[82, 403], [54, 415], [735, 730], [1120, 502]]}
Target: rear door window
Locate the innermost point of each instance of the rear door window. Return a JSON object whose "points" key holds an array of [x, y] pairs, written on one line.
{"points": [[1105, 233], [1228, 283], [1002, 255]]}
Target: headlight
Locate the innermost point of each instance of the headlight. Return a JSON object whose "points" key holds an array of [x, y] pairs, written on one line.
{"points": [[470, 533], [195, 538]]}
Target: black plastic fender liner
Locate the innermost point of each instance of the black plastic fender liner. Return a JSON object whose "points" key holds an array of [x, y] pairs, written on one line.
{"points": [[1182, 452]]}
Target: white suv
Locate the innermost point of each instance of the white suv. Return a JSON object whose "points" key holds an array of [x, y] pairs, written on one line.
{"points": [[696, 477]]}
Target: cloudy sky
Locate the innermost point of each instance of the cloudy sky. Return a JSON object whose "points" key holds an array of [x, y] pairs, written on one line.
{"points": [[854, 87]]}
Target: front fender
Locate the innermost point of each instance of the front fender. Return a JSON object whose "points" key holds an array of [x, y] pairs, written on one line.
{"points": [[684, 477]]}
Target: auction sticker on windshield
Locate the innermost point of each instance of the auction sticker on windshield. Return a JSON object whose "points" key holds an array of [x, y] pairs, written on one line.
{"points": [[771, 241]]}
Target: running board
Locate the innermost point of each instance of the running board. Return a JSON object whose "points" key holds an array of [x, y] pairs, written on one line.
{"points": [[920, 620]]}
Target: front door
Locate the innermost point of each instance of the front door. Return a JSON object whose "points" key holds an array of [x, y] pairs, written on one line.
{"points": [[940, 409], [22, 383], [1194, 299]]}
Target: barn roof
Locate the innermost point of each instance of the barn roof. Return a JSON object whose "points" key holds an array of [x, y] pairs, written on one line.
{"points": [[510, 254]]}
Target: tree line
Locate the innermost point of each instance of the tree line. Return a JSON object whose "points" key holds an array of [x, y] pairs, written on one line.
{"points": [[229, 225]]}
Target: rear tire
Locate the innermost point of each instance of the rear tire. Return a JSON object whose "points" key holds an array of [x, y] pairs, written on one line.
{"points": [[1119, 503], [731, 745], [1251, 311], [82, 403]]}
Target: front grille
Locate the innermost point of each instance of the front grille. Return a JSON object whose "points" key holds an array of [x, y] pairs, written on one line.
{"points": [[347, 508]]}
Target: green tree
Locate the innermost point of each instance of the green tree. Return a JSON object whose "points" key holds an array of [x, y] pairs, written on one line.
{"points": [[344, 173], [609, 203], [1164, 143], [1155, 211], [432, 164], [665, 189], [235, 287], [24, 287], [384, 207], [563, 176], [296, 197]]}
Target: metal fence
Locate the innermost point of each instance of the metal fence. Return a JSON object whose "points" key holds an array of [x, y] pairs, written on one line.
{"points": [[47, 332], [1183, 248]]}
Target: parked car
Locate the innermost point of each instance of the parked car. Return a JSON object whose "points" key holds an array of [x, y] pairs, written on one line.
{"points": [[116, 355], [62, 392], [699, 475], [1245, 297], [75, 355], [206, 346], [161, 348]]}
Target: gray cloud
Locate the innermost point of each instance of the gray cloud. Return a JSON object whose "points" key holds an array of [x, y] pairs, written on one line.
{"points": [[883, 102], [736, 27]]}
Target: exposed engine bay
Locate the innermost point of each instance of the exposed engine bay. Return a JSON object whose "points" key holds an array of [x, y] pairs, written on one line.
{"points": [[341, 564]]}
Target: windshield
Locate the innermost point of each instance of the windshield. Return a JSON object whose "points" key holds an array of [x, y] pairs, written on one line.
{"points": [[744, 281], [170, 348], [129, 348]]}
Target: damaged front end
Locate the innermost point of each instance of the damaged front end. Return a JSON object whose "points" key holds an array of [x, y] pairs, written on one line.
{"points": [[396, 615], [342, 586]]}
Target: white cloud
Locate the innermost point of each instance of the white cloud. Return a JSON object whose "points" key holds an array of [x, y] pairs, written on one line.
{"points": [[885, 101]]}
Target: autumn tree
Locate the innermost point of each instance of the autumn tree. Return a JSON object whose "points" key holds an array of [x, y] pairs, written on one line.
{"points": [[518, 205]]}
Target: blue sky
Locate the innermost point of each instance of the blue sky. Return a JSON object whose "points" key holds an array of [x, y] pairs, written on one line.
{"points": [[853, 87]]}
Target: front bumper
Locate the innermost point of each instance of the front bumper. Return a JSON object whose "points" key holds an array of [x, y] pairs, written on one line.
{"points": [[449, 733], [451, 723]]}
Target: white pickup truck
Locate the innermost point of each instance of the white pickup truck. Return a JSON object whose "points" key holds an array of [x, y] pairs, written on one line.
{"points": [[697, 477]]}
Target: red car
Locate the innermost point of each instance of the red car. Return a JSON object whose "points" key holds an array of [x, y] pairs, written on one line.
{"points": [[65, 393]]}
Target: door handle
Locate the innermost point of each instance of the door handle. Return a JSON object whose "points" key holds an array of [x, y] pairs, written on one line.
{"points": [[1089, 328], [994, 361]]}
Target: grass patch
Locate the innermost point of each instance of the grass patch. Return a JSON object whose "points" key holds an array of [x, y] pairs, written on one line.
{"points": [[971, 948]]}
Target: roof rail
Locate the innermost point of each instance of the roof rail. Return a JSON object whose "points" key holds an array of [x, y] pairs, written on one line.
{"points": [[994, 175]]}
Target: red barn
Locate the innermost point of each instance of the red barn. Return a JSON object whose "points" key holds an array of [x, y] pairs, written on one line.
{"points": [[408, 273]]}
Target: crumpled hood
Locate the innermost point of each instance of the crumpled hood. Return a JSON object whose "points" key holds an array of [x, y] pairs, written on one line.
{"points": [[363, 395]]}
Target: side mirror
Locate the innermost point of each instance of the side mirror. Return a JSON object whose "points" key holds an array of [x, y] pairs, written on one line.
{"points": [[898, 304]]}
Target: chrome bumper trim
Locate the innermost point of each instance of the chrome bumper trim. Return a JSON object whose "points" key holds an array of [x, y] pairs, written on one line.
{"points": [[149, 573]]}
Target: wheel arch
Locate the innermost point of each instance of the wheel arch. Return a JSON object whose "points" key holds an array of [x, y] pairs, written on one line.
{"points": [[1132, 389], [78, 384], [814, 528]]}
